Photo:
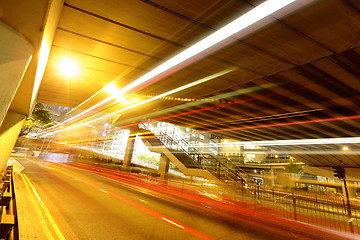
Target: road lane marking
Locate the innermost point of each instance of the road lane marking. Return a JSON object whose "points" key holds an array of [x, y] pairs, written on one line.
{"points": [[103, 190], [45, 210], [139, 206], [173, 223], [18, 168], [43, 224]]}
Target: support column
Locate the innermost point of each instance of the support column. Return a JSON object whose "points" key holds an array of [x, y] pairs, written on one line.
{"points": [[9, 132], [129, 152], [272, 177], [164, 166], [15, 55]]}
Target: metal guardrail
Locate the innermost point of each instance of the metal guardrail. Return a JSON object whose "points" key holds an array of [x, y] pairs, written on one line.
{"points": [[8, 218], [317, 209], [204, 161]]}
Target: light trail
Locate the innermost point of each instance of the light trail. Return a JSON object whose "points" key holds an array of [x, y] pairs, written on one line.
{"points": [[223, 96], [134, 204], [189, 85], [199, 102], [205, 47], [348, 118], [237, 211]]}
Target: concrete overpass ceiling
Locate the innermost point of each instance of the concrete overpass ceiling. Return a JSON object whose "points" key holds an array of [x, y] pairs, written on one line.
{"points": [[295, 78]]}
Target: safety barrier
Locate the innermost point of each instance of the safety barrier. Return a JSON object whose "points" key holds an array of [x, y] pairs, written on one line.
{"points": [[8, 229], [312, 208]]}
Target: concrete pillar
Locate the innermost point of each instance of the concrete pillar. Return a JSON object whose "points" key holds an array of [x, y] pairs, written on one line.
{"points": [[15, 55], [129, 152], [9, 132], [164, 166], [269, 178], [272, 177]]}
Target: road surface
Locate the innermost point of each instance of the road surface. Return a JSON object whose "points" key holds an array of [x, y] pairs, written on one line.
{"points": [[72, 201]]}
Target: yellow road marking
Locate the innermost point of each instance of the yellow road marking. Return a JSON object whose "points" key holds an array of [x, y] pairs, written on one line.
{"points": [[45, 210], [38, 212]]}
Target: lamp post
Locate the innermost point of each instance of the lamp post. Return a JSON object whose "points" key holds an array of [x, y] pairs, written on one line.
{"points": [[343, 177]]}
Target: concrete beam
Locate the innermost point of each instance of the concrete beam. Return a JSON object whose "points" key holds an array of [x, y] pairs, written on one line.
{"points": [[9, 133], [15, 54]]}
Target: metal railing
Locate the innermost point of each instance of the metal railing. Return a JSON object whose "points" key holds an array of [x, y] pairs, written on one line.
{"points": [[201, 160], [8, 226], [309, 207]]}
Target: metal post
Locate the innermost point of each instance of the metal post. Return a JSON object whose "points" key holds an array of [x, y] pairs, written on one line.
{"points": [[347, 196], [219, 170], [273, 193], [294, 204], [348, 206], [242, 187]]}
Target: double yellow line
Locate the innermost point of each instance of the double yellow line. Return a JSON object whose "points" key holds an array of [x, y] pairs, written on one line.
{"points": [[42, 212]]}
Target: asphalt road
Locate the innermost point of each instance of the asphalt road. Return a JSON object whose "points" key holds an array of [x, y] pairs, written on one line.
{"points": [[74, 201]]}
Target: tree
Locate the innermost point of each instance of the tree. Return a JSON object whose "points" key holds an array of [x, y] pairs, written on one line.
{"points": [[38, 119]]}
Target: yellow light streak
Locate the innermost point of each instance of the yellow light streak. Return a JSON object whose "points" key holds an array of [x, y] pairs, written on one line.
{"points": [[205, 79], [239, 24], [114, 91]]}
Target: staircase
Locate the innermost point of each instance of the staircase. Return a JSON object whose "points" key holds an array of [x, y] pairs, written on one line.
{"points": [[187, 158]]}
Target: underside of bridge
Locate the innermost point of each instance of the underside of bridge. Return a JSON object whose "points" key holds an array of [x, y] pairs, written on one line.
{"points": [[295, 74]]}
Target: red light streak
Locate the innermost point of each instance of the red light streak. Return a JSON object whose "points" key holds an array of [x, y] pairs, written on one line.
{"points": [[145, 209], [355, 117], [241, 213], [310, 86]]}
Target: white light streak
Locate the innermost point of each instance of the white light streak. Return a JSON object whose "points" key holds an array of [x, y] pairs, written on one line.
{"points": [[103, 190], [298, 142], [263, 10], [173, 223]]}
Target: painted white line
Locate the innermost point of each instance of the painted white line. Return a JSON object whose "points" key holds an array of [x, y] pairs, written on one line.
{"points": [[103, 190], [173, 223], [18, 168]]}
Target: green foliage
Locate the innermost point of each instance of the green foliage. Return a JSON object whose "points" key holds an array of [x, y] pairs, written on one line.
{"points": [[38, 119], [153, 158], [149, 158]]}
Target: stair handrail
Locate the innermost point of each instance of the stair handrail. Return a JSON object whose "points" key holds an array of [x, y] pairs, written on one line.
{"points": [[162, 134], [229, 171]]}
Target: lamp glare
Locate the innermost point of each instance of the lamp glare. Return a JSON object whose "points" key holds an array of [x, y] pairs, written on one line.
{"points": [[69, 67]]}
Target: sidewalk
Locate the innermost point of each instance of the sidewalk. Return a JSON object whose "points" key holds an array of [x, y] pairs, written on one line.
{"points": [[32, 220]]}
